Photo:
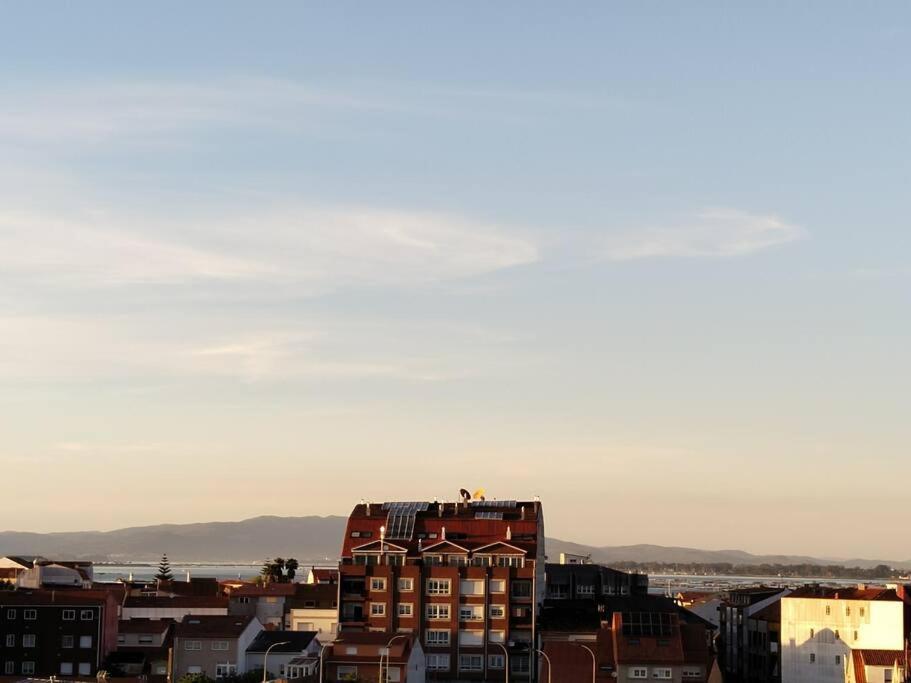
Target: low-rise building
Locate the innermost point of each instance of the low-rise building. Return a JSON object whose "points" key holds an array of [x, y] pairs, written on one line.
{"points": [[834, 635], [314, 607], [142, 647], [265, 602], [748, 647], [356, 656], [292, 654], [214, 646], [175, 608]]}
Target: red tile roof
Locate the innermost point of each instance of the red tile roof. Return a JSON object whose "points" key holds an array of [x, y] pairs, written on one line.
{"points": [[252, 590], [399, 650], [177, 602], [882, 657], [848, 593]]}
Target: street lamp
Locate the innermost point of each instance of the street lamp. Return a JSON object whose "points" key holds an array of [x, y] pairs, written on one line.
{"points": [[594, 659], [322, 652], [505, 652], [266, 657], [549, 665], [385, 651]]}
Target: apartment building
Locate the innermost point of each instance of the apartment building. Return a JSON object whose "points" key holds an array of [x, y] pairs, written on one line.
{"points": [[56, 633], [748, 635], [142, 647], [265, 602], [314, 607], [586, 581], [467, 578], [839, 635]]}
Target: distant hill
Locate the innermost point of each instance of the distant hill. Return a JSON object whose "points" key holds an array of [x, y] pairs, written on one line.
{"points": [[318, 539]]}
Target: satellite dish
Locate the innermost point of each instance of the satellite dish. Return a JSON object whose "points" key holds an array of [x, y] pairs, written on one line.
{"points": [[465, 495], [479, 494]]}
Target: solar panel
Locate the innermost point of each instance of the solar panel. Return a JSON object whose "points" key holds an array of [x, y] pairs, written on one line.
{"points": [[488, 515], [401, 518], [494, 503]]}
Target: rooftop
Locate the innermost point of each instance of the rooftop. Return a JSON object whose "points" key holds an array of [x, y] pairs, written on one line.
{"points": [[212, 626], [295, 641], [841, 593]]}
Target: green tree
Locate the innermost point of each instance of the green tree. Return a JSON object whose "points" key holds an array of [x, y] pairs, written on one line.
{"points": [[291, 567], [164, 569], [195, 678]]}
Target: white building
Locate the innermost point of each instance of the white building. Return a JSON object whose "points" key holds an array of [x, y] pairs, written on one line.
{"points": [[842, 635]]}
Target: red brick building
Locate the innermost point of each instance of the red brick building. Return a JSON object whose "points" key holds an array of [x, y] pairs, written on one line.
{"points": [[467, 578]]}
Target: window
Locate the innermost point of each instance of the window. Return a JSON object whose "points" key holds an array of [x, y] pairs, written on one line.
{"points": [[439, 586], [30, 614], [433, 560], [28, 668], [496, 636], [519, 664], [346, 673], [862, 613], [9, 668], [437, 612], [471, 662], [838, 659], [691, 672], [406, 609], [585, 589], [471, 638], [471, 613], [121, 639], [437, 637], [28, 640], [812, 657], [192, 645], [220, 645], [11, 640], [509, 561], [10, 614], [194, 669], [145, 639], [67, 641], [225, 670], [837, 635], [521, 589], [66, 668], [69, 615], [663, 674], [85, 642], [638, 672], [86, 615], [377, 583], [85, 669], [855, 635], [497, 585], [406, 585], [496, 662], [377, 609], [498, 611], [437, 662], [828, 610], [812, 633], [887, 676], [351, 650], [847, 610], [471, 587]]}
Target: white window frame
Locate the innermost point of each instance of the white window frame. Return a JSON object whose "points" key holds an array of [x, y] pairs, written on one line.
{"points": [[638, 672], [225, 670], [28, 640], [471, 612], [663, 673], [192, 645], [439, 586], [434, 637], [433, 611], [471, 658], [406, 609], [9, 668], [495, 661], [377, 609], [501, 583], [86, 615], [378, 584], [11, 640], [221, 645], [10, 614], [438, 661], [497, 611], [30, 614], [406, 584], [28, 668], [69, 615], [67, 642]]}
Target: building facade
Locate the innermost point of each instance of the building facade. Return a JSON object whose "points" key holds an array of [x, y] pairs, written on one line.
{"points": [[214, 646], [466, 578]]}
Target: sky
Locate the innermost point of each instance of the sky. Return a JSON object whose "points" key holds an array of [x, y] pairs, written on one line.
{"points": [[647, 261]]}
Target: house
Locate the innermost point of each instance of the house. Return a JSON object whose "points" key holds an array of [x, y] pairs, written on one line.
{"points": [[174, 608], [293, 654], [587, 581], [214, 646], [844, 634], [56, 633], [323, 575], [265, 602], [628, 638], [314, 607], [356, 656], [466, 577], [48, 574], [142, 647]]}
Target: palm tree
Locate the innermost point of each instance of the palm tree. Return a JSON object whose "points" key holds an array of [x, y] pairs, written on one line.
{"points": [[291, 567]]}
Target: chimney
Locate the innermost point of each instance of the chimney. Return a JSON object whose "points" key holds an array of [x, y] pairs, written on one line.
{"points": [[443, 534], [522, 511], [508, 533], [420, 544], [368, 508], [440, 509], [382, 533]]}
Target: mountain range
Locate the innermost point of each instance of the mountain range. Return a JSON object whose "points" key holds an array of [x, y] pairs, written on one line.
{"points": [[317, 540]]}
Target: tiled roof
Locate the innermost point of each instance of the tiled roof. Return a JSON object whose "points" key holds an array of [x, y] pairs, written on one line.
{"points": [[208, 626], [252, 590], [460, 521], [399, 650], [296, 641], [144, 625], [49, 597], [882, 657], [848, 593]]}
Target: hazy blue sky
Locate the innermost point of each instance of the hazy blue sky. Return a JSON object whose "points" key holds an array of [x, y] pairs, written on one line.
{"points": [[649, 261]]}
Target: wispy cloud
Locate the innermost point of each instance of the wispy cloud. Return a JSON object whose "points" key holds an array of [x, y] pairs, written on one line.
{"points": [[716, 232], [318, 248]]}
